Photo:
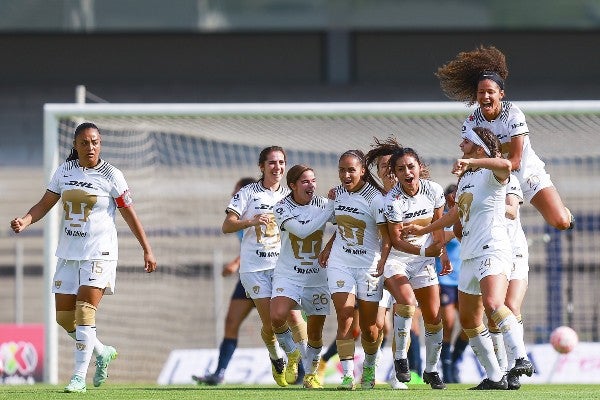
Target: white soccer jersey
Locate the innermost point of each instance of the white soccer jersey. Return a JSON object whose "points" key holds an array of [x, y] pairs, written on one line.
{"points": [[514, 227], [510, 123], [418, 209], [481, 205], [89, 197], [260, 244], [301, 228], [357, 214]]}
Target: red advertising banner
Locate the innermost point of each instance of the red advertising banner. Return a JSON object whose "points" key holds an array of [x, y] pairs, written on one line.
{"points": [[21, 353]]}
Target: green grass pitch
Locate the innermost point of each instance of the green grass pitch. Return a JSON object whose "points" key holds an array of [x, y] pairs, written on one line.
{"points": [[251, 392]]}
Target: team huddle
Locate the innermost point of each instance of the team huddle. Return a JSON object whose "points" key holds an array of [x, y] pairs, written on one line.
{"points": [[388, 234], [389, 230]]}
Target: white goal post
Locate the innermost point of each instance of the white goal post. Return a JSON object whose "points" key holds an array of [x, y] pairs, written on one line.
{"points": [[183, 160]]}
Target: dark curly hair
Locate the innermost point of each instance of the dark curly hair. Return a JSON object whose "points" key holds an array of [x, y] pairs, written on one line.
{"points": [[459, 77], [381, 148]]}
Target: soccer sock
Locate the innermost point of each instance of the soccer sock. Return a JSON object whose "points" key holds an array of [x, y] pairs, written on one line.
{"points": [[513, 336], [98, 346], [285, 339], [414, 353], [446, 358], [300, 337], [402, 322], [311, 361], [331, 351], [459, 348], [511, 355], [226, 350], [272, 345], [499, 349], [433, 345], [371, 349], [86, 336], [346, 349], [480, 341]]}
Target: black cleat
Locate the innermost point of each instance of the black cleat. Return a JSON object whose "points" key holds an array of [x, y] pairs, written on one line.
{"points": [[513, 381], [279, 365], [522, 367], [402, 371], [210, 380], [487, 384], [434, 380]]}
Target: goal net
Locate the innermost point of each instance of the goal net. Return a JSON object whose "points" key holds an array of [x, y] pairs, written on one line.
{"points": [[181, 162]]}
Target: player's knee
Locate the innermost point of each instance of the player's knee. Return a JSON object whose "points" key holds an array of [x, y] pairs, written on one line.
{"points": [[66, 319], [85, 313]]}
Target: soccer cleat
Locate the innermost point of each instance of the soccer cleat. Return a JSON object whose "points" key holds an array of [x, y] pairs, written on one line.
{"points": [[367, 381], [522, 367], [77, 385], [396, 384], [311, 382], [102, 361], [291, 369], [278, 370], [513, 381], [210, 379], [347, 383], [402, 371], [434, 380], [487, 384], [321, 370]]}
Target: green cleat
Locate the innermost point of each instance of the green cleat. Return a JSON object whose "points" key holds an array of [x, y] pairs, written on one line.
{"points": [[77, 385], [102, 361], [347, 383], [368, 378]]}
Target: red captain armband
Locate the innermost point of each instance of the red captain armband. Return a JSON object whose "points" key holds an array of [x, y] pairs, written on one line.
{"points": [[124, 200]]}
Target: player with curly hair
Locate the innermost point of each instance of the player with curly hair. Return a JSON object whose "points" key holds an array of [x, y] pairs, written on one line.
{"points": [[479, 76]]}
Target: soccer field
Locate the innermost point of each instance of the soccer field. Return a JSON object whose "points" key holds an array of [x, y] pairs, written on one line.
{"points": [[228, 392]]}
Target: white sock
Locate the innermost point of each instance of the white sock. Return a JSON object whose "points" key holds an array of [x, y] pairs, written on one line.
{"points": [[484, 350], [433, 347], [513, 336], [500, 350], [311, 360], [348, 367], [86, 337], [369, 360], [286, 341], [401, 335], [98, 346]]}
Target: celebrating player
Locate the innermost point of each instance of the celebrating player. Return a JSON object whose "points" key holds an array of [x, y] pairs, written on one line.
{"points": [[410, 274], [485, 252], [298, 280], [517, 280], [479, 77], [354, 258], [91, 189], [251, 210]]}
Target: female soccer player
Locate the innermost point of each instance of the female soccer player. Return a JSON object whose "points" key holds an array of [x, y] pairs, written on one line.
{"points": [[354, 258], [298, 279], [410, 274], [251, 210], [91, 190], [478, 77], [517, 280], [485, 252]]}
